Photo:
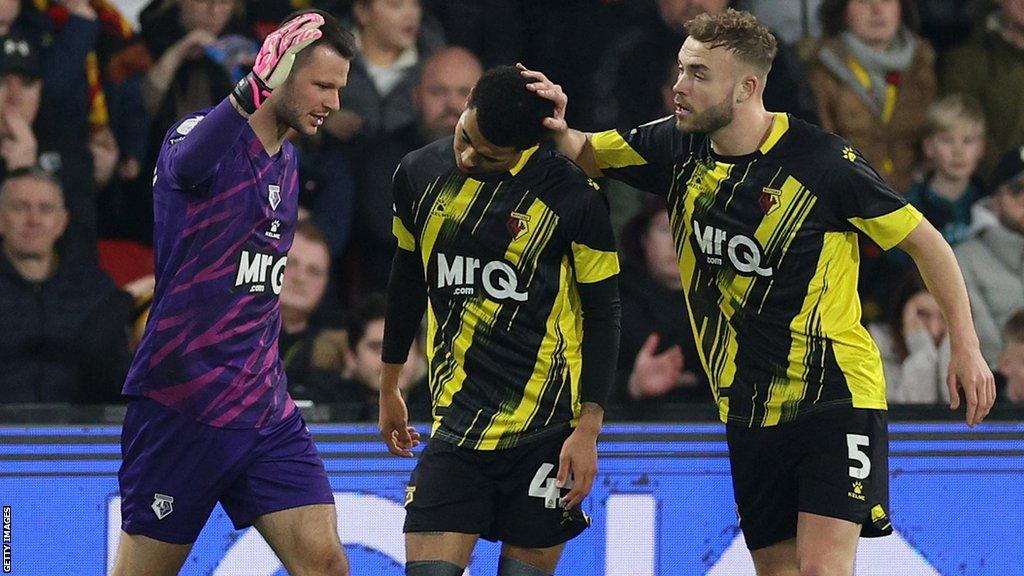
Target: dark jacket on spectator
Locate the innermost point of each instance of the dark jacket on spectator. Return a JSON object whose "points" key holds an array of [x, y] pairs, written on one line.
{"points": [[70, 162], [64, 339], [383, 114], [648, 307]]}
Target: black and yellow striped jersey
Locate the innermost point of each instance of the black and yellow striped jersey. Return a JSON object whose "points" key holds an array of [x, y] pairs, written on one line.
{"points": [[503, 258], [768, 255]]}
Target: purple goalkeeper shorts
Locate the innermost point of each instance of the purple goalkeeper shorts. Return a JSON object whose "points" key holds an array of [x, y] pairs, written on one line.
{"points": [[175, 469]]}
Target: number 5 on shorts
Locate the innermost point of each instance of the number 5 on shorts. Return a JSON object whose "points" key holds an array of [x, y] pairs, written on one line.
{"points": [[543, 487], [854, 442]]}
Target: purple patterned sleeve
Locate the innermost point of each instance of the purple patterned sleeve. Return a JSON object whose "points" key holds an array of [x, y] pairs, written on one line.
{"points": [[201, 143]]}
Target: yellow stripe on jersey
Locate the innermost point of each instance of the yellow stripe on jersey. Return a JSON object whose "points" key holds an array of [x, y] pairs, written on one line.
{"points": [[700, 191], [523, 159], [560, 339], [776, 232], [890, 229], [447, 213], [523, 254], [855, 351], [594, 265], [612, 151], [482, 311], [807, 348], [405, 239], [779, 127]]}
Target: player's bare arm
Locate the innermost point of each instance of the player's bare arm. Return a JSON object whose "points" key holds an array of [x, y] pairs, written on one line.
{"points": [[393, 420], [579, 455], [968, 370]]}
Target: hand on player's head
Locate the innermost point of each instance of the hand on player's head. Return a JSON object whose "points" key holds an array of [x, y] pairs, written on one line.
{"points": [[277, 55], [275, 60], [545, 88]]}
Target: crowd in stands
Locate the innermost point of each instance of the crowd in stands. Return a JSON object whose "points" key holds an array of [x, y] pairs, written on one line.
{"points": [[929, 92]]}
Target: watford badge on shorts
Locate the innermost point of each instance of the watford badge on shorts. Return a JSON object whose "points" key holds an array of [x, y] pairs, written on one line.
{"points": [[517, 225], [879, 518], [769, 200], [410, 492]]}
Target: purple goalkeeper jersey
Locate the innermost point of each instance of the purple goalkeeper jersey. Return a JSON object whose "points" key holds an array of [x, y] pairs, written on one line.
{"points": [[225, 215]]}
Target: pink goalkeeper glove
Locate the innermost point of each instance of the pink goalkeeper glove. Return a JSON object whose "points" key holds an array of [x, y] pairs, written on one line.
{"points": [[275, 60]]}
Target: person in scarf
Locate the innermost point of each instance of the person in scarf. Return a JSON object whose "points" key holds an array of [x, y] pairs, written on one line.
{"points": [[874, 77]]}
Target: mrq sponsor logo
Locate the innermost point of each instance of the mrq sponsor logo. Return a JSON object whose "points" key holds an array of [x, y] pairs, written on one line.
{"points": [[743, 253], [463, 274], [259, 272]]}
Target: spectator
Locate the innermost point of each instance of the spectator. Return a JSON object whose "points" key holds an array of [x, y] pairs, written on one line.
{"points": [[1011, 359], [657, 356], [360, 382], [953, 145], [172, 72], [24, 142], [9, 11], [873, 77], [625, 96], [86, 33], [986, 67], [992, 260], [65, 336], [185, 77], [24, 18], [439, 97], [392, 45], [791, 21], [914, 346], [305, 282], [441, 94]]}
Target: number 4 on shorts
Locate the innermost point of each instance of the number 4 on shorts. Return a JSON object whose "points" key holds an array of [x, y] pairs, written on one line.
{"points": [[854, 442], [543, 487]]}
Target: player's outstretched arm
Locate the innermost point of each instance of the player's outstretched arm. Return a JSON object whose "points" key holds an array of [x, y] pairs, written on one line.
{"points": [[968, 370], [196, 156], [572, 143]]}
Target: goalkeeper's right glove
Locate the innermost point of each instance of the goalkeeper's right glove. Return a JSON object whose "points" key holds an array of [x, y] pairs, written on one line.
{"points": [[275, 60]]}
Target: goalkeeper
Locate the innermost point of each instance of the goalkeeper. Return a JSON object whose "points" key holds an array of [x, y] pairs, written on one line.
{"points": [[209, 417]]}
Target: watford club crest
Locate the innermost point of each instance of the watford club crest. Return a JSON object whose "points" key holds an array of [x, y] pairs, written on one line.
{"points": [[517, 225], [769, 200]]}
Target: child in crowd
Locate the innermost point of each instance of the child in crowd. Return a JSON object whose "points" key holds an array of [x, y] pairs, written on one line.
{"points": [[954, 145], [1011, 360]]}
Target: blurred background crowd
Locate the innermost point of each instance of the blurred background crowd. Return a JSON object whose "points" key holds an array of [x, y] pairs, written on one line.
{"points": [[930, 91]]}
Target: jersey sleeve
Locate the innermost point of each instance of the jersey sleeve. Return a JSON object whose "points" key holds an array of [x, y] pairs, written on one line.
{"points": [[402, 221], [597, 269], [593, 247], [643, 156], [863, 202], [195, 147], [407, 288]]}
